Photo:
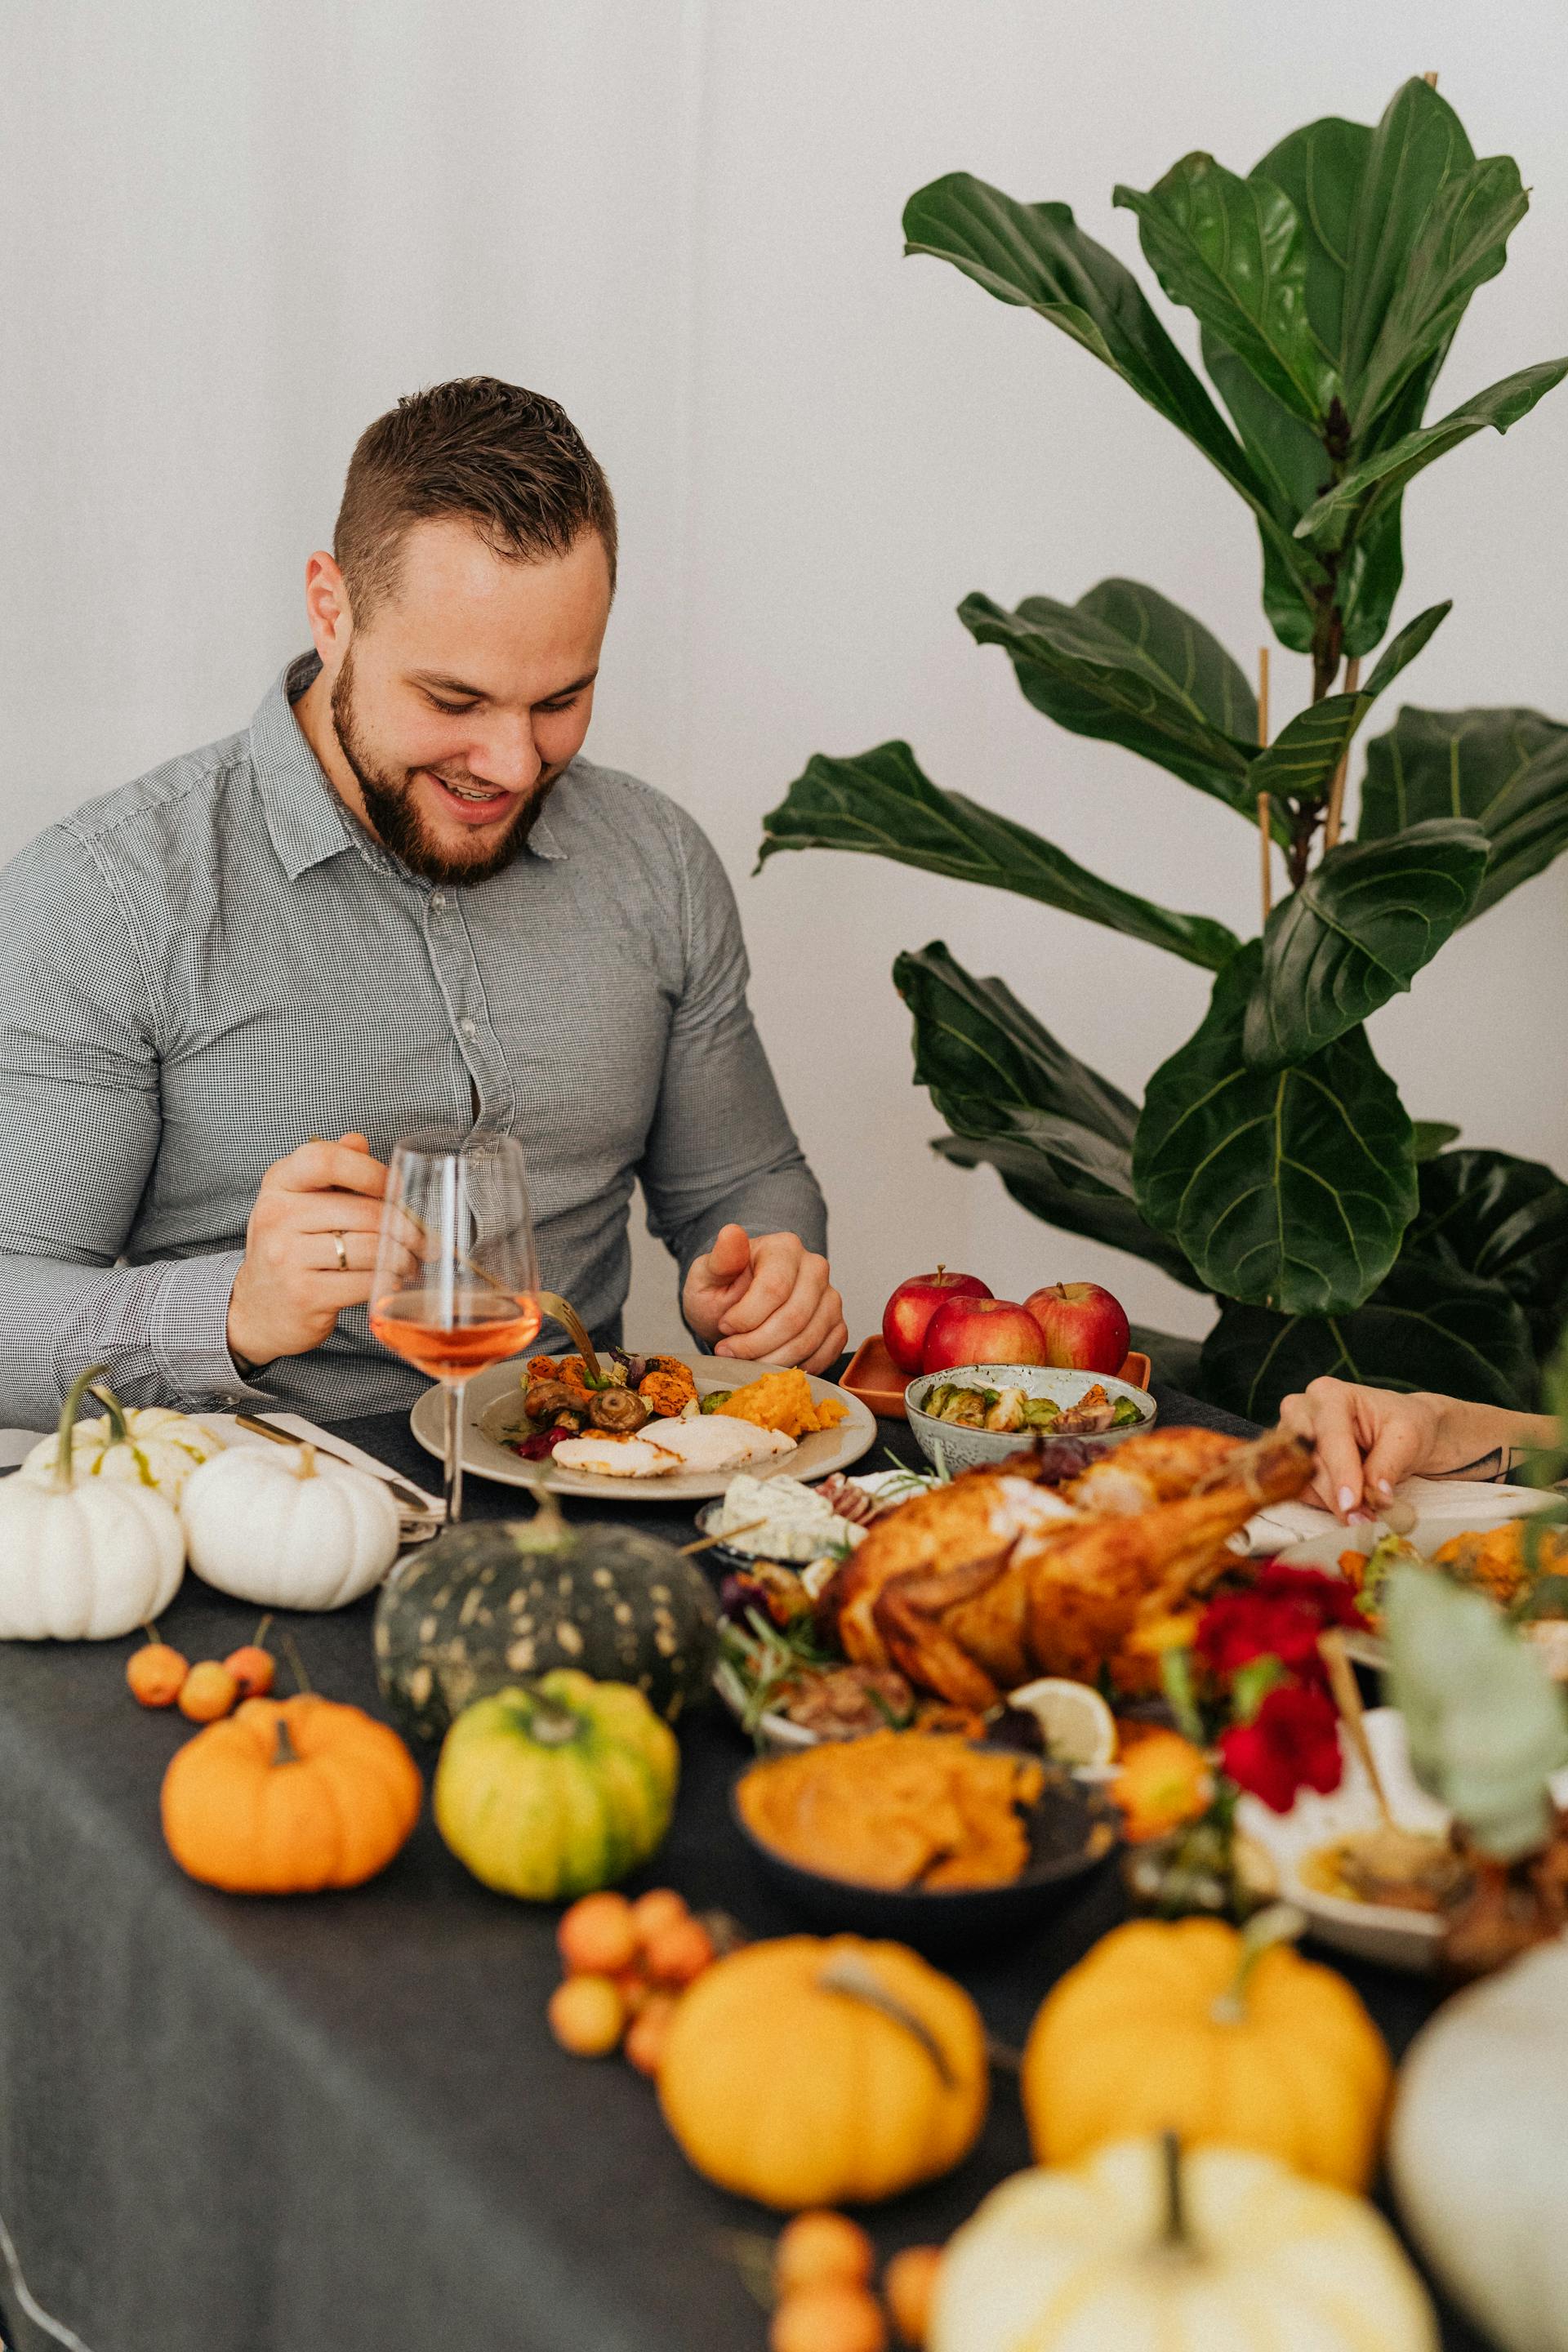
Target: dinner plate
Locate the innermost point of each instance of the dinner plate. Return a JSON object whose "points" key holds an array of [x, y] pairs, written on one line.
{"points": [[814, 1457]]}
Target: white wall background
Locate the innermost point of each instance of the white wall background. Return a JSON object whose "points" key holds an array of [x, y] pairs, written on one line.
{"points": [[235, 235]]}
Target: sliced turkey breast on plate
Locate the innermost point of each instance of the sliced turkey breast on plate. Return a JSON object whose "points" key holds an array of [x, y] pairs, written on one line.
{"points": [[616, 1457], [717, 1441]]}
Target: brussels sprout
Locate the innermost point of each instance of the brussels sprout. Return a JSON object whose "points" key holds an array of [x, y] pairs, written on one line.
{"points": [[716, 1399]]}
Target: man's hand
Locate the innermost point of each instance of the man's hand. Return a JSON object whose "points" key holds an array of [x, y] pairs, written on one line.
{"points": [[769, 1298], [291, 1289], [1367, 1440]]}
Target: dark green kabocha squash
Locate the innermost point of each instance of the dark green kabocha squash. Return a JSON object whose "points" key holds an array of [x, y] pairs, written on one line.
{"points": [[493, 1601]]}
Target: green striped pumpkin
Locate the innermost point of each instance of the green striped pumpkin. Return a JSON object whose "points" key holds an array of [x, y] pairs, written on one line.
{"points": [[496, 1602], [549, 1791]]}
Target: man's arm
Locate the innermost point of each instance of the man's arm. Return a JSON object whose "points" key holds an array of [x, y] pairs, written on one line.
{"points": [[79, 1127], [722, 1152]]}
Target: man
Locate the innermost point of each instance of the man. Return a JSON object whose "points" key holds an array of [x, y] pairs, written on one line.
{"points": [[358, 919]]}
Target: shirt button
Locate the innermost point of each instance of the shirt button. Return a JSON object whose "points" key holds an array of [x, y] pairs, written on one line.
{"points": [[470, 1028], [437, 899]]}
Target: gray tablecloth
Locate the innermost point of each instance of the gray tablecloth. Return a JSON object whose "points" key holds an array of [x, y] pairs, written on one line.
{"points": [[339, 2124]]}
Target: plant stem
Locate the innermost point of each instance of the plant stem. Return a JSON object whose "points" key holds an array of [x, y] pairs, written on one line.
{"points": [[1175, 2232], [67, 1430]]}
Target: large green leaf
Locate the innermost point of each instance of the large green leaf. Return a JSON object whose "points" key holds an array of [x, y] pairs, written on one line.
{"points": [[1321, 168], [1506, 769], [1037, 257], [1058, 1135], [1502, 1220], [1233, 251], [1368, 488], [1415, 151], [1462, 242], [1429, 1326], [1301, 762], [1365, 920], [1288, 1191], [1125, 664], [882, 802]]}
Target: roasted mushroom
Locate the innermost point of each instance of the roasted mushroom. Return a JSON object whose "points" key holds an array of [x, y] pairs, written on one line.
{"points": [[617, 1409], [545, 1399]]}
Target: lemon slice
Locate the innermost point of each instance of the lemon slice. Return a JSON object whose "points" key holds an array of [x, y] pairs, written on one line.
{"points": [[1079, 1728]]}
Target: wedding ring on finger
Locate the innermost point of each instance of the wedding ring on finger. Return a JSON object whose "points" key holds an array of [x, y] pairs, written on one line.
{"points": [[341, 1248]]}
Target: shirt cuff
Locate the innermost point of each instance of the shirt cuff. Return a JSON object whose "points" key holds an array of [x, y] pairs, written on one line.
{"points": [[190, 1338]]}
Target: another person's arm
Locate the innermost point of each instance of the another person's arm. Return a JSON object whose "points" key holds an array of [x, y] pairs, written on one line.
{"points": [[728, 1188], [1368, 1439]]}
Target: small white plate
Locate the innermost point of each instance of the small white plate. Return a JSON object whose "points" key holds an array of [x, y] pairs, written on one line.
{"points": [[814, 1457], [1373, 1931]]}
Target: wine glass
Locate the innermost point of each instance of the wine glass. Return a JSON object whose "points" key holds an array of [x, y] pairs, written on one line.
{"points": [[455, 1275]]}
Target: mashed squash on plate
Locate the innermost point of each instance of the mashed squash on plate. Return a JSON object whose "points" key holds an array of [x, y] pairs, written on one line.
{"points": [[782, 1400]]}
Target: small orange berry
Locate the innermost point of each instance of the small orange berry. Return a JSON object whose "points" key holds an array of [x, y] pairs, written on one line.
{"points": [[156, 1675], [908, 2284], [829, 2319], [659, 1908], [209, 1692], [822, 2248], [649, 2031], [678, 1955], [587, 2016], [596, 1936], [253, 1670]]}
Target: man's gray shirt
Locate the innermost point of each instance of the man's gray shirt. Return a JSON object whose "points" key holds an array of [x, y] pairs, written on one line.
{"points": [[203, 970]]}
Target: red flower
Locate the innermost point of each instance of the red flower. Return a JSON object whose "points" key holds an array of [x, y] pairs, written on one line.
{"points": [[1291, 1743], [1281, 1616]]}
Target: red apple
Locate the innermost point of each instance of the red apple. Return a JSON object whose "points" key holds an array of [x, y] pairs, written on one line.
{"points": [[982, 1331], [906, 1316], [1084, 1328]]}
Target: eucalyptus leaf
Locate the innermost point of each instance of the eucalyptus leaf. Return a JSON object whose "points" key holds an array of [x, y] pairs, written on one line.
{"points": [[1462, 242], [881, 801], [1429, 1326], [1486, 1725], [1502, 1219], [1058, 1134], [1233, 251], [1506, 769], [1360, 928], [1367, 487], [1289, 1189], [1127, 665], [1037, 257], [1299, 764]]}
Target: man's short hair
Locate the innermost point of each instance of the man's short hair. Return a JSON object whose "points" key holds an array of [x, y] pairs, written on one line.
{"points": [[511, 462]]}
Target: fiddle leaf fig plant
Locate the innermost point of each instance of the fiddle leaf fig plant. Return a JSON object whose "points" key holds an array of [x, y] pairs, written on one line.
{"points": [[1272, 1163]]}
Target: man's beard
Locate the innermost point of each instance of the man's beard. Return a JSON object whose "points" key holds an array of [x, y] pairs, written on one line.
{"points": [[394, 817]]}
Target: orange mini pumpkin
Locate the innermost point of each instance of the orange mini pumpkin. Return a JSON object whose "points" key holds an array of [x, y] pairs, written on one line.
{"points": [[291, 1796]]}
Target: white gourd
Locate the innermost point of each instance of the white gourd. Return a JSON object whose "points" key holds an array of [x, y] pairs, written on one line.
{"points": [[152, 1447], [288, 1529], [1478, 2149], [83, 1563], [1083, 2258]]}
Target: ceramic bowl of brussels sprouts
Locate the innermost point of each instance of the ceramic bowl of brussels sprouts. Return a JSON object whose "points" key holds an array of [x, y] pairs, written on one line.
{"points": [[983, 1412]]}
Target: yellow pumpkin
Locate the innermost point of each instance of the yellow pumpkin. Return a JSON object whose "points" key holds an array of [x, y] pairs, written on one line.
{"points": [[809, 2072], [1132, 2252], [1184, 2027]]}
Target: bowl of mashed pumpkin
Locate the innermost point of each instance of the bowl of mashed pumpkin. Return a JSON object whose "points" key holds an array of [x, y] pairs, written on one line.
{"points": [[928, 1838]]}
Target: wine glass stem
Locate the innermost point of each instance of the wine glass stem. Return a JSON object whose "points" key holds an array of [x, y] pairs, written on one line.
{"points": [[454, 1451]]}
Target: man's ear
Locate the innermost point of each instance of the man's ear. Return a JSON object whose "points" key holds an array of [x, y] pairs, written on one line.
{"points": [[327, 611]]}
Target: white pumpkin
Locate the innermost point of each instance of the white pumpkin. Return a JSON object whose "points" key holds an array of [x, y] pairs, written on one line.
{"points": [[1478, 2149], [1082, 2259], [149, 1447], [83, 1563], [288, 1529]]}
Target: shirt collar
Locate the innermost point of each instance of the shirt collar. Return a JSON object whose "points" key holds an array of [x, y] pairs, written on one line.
{"points": [[304, 815]]}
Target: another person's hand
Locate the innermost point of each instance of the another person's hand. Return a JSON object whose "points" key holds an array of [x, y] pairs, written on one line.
{"points": [[768, 1298], [296, 1279], [1367, 1440]]}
